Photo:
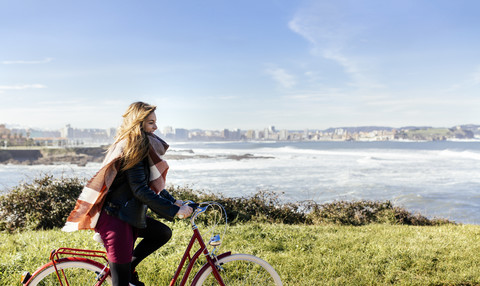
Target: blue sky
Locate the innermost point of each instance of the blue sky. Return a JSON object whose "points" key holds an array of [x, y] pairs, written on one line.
{"points": [[241, 64]]}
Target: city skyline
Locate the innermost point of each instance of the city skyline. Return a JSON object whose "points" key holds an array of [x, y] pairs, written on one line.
{"points": [[172, 129], [70, 136], [215, 65]]}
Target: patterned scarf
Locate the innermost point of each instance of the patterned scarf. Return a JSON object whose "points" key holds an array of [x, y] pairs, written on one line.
{"points": [[90, 202]]}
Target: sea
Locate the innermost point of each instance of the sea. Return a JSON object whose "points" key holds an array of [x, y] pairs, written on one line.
{"points": [[438, 179]]}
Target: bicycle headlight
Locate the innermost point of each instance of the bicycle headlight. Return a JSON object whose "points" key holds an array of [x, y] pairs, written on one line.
{"points": [[215, 241]]}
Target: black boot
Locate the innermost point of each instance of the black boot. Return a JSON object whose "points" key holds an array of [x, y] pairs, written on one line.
{"points": [[120, 273], [134, 280]]}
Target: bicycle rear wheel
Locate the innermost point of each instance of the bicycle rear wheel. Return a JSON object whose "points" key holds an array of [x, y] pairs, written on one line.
{"points": [[78, 272], [242, 269]]}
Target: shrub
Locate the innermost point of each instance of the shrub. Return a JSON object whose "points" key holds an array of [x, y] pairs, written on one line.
{"points": [[46, 203], [43, 204], [366, 212], [263, 206], [266, 206]]}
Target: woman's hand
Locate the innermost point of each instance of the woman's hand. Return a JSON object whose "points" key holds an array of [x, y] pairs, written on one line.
{"points": [[178, 203], [184, 211]]}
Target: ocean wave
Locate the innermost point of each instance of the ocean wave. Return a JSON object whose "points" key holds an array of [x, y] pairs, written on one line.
{"points": [[427, 177], [473, 155]]}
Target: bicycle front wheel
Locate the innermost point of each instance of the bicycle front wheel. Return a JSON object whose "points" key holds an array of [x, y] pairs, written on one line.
{"points": [[242, 269], [76, 272]]}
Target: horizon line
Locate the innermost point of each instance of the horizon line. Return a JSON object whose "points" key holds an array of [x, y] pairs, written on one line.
{"points": [[266, 127]]}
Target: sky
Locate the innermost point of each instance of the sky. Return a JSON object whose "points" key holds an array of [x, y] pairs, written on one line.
{"points": [[248, 64]]}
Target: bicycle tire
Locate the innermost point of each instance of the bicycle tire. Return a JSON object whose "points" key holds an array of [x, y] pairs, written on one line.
{"points": [[241, 269], [79, 272]]}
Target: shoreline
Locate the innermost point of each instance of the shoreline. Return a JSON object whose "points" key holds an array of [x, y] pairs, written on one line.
{"points": [[82, 156], [52, 156]]}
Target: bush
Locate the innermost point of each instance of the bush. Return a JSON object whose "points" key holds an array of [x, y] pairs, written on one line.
{"points": [[43, 204], [366, 212], [266, 206], [46, 203], [263, 206]]}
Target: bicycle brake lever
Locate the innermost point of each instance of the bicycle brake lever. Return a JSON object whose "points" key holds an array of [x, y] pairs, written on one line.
{"points": [[194, 206], [199, 210]]}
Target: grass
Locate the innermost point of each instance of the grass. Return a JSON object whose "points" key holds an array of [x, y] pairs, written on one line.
{"points": [[374, 254], [339, 243]]}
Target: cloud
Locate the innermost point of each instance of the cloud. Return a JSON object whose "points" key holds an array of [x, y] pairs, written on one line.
{"points": [[357, 72], [310, 96], [282, 77], [227, 97], [349, 66], [471, 80], [21, 87], [476, 76], [3, 88], [324, 26], [23, 62]]}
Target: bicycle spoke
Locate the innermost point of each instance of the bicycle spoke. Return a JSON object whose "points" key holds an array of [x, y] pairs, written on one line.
{"points": [[74, 276], [244, 273], [72, 273], [242, 270]]}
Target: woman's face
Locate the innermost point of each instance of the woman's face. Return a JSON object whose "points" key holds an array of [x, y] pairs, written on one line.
{"points": [[150, 123]]}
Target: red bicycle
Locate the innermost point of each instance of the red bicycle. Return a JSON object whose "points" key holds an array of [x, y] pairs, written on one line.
{"points": [[81, 267]]}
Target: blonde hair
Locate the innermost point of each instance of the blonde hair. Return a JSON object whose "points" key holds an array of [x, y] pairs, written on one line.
{"points": [[131, 130]]}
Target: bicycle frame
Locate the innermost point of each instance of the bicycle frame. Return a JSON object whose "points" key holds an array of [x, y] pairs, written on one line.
{"points": [[89, 255], [192, 259]]}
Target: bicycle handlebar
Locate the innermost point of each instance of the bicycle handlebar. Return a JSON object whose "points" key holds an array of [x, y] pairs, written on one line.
{"points": [[199, 208]]}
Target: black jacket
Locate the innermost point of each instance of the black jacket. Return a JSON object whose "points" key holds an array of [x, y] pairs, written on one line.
{"points": [[129, 197]]}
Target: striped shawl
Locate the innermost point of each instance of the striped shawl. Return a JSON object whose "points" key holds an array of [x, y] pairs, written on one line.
{"points": [[90, 202]]}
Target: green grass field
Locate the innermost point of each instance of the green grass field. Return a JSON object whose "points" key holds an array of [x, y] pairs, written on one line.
{"points": [[374, 254]]}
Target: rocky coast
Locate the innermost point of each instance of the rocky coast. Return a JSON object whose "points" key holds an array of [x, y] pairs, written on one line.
{"points": [[82, 155], [50, 156]]}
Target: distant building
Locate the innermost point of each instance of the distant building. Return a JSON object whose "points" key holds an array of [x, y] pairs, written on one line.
{"points": [[111, 132], [77, 136], [284, 135], [167, 130], [231, 135], [250, 134], [226, 133], [181, 134], [67, 131]]}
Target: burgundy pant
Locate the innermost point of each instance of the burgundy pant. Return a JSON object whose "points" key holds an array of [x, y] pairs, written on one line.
{"points": [[119, 238]]}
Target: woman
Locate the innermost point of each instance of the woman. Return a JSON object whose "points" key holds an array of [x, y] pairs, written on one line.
{"points": [[137, 184]]}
